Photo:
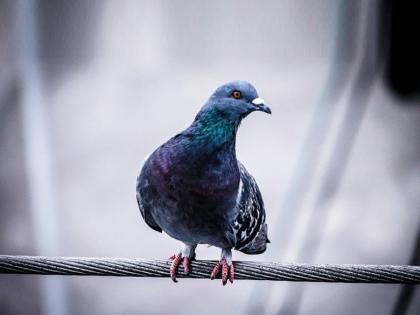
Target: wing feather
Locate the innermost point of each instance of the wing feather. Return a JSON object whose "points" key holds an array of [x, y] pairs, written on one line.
{"points": [[251, 214]]}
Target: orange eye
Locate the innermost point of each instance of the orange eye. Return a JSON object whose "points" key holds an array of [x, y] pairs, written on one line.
{"points": [[236, 94]]}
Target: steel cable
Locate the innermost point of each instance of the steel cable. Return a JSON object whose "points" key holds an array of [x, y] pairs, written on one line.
{"points": [[200, 269]]}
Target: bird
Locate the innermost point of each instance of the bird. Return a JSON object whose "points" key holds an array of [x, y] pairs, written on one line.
{"points": [[194, 189]]}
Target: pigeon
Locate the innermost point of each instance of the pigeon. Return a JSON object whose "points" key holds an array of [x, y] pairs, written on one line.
{"points": [[194, 189]]}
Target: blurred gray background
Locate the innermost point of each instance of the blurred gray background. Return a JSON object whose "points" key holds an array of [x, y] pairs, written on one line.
{"points": [[89, 88]]}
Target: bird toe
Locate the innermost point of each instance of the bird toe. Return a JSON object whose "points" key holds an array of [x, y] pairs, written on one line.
{"points": [[186, 263], [227, 271], [176, 259]]}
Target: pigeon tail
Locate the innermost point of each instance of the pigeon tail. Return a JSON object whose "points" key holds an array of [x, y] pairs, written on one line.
{"points": [[259, 244]]}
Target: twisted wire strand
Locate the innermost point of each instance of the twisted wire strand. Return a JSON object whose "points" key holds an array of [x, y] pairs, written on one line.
{"points": [[201, 269]]}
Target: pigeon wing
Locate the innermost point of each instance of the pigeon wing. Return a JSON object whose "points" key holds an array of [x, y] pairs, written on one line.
{"points": [[145, 213], [251, 216]]}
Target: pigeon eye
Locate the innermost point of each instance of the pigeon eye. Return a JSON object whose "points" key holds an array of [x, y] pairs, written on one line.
{"points": [[236, 94]]}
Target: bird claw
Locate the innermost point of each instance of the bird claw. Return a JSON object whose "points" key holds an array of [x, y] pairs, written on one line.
{"points": [[176, 260], [228, 271], [186, 264]]}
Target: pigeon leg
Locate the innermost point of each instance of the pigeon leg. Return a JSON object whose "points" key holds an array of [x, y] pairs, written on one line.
{"points": [[226, 266], [185, 256]]}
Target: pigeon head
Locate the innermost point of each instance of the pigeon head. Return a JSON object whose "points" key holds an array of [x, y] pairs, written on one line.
{"points": [[220, 117], [235, 100], [230, 103]]}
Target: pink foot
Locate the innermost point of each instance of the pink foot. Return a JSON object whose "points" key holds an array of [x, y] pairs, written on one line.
{"points": [[176, 260], [228, 271]]}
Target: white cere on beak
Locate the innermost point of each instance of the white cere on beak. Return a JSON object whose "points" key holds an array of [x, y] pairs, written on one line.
{"points": [[257, 101]]}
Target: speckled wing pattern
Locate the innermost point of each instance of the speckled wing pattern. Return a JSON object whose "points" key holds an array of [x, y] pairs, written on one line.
{"points": [[251, 231]]}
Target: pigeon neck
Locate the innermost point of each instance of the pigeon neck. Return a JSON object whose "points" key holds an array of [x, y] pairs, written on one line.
{"points": [[213, 128]]}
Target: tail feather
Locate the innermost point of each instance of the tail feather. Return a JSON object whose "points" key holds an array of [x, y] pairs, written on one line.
{"points": [[259, 244]]}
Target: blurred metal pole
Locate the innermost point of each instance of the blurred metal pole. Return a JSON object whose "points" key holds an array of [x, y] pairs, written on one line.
{"points": [[322, 118], [311, 148], [407, 291], [368, 71], [38, 150]]}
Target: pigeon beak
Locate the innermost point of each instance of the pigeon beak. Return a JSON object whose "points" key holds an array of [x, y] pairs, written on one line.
{"points": [[259, 104]]}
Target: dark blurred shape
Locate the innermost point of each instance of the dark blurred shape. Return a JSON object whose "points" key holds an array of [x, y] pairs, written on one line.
{"points": [[403, 64], [66, 27]]}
